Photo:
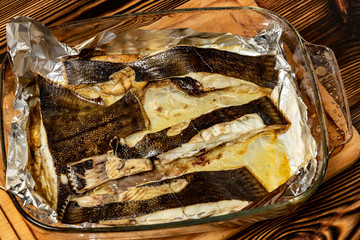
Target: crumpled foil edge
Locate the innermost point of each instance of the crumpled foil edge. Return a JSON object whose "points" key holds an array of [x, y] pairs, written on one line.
{"points": [[33, 48]]}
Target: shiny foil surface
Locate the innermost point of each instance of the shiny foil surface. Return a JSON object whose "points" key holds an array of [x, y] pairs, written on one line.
{"points": [[34, 49]]}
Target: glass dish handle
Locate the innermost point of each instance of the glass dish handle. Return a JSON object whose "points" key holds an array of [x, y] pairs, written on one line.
{"points": [[332, 93]]}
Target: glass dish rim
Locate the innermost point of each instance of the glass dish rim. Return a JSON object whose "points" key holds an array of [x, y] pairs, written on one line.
{"points": [[192, 222]]}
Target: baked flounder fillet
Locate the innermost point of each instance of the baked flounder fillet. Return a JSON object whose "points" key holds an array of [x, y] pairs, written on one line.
{"points": [[270, 165], [196, 131], [178, 61], [127, 142], [224, 125], [189, 190], [69, 128]]}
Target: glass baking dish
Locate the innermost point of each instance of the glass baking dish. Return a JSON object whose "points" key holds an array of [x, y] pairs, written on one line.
{"points": [[317, 80]]}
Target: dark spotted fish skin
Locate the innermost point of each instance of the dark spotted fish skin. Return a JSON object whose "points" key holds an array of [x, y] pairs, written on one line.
{"points": [[77, 173], [203, 187], [189, 85], [77, 129], [53, 97], [153, 144], [179, 61], [75, 134], [85, 71]]}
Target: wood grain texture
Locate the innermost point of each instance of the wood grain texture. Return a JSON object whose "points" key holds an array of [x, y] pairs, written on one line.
{"points": [[5, 228], [54, 12], [12, 225], [320, 22], [333, 212]]}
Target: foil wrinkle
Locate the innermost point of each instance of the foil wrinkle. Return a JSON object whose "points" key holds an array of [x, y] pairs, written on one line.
{"points": [[34, 49]]}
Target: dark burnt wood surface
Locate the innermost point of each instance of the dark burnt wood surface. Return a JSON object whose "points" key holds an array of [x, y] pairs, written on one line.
{"points": [[334, 211]]}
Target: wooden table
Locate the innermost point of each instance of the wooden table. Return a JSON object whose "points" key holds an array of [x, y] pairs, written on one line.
{"points": [[334, 211]]}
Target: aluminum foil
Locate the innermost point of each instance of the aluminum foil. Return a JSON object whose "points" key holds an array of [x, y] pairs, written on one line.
{"points": [[33, 48]]}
